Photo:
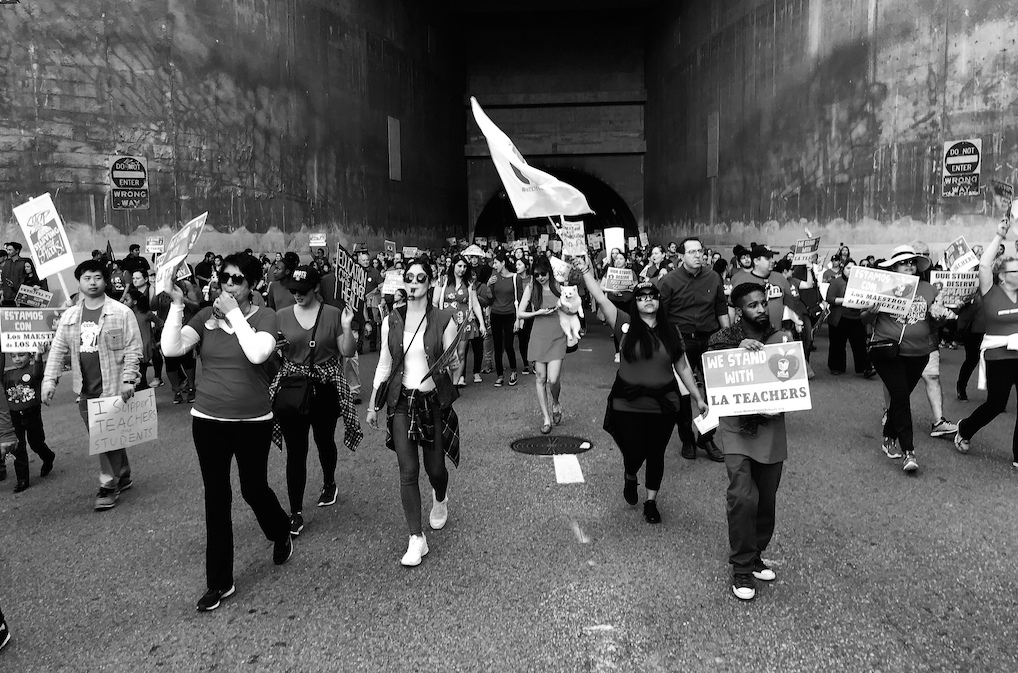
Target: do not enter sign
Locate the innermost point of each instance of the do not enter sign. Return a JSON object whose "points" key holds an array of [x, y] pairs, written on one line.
{"points": [[129, 183], [962, 167]]}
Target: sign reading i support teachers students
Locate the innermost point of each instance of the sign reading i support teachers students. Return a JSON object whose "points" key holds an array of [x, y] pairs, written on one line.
{"points": [[892, 292], [115, 424], [741, 382]]}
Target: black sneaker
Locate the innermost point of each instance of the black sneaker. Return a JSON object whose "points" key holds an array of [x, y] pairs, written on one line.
{"points": [[178, 397], [282, 551], [744, 586], [358, 400], [688, 452], [513, 378], [125, 484], [762, 571], [650, 512], [22, 485], [712, 450], [629, 491], [190, 396], [106, 498], [5, 635], [328, 496], [296, 524], [212, 598], [47, 466]]}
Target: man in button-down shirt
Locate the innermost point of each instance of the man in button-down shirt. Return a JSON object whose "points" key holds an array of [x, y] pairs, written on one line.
{"points": [[693, 298]]}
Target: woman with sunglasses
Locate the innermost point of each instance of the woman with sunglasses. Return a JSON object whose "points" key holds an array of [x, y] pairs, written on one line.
{"points": [[643, 404], [419, 414], [232, 414], [547, 342], [459, 295], [504, 323], [901, 366], [332, 331]]}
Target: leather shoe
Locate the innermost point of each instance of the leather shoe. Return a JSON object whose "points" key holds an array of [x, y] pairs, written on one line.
{"points": [[712, 450], [689, 452]]}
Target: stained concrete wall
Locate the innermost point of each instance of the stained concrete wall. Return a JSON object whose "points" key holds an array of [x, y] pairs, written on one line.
{"points": [[831, 112], [271, 114]]}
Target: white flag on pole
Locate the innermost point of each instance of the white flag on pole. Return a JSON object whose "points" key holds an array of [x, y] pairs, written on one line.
{"points": [[532, 192]]}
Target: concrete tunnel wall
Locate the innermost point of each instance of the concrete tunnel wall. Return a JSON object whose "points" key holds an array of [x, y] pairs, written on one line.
{"points": [[271, 114], [831, 114]]}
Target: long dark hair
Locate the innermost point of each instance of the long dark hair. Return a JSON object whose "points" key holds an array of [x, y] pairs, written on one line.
{"points": [[542, 265], [641, 341], [451, 274]]}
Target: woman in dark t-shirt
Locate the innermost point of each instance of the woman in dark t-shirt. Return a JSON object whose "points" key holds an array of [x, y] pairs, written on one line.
{"points": [[232, 414], [643, 404]]}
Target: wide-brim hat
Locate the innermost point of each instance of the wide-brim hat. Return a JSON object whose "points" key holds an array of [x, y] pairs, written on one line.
{"points": [[903, 253], [473, 251], [304, 278]]}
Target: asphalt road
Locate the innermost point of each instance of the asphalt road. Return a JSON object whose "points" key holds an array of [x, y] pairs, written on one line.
{"points": [[877, 570]]}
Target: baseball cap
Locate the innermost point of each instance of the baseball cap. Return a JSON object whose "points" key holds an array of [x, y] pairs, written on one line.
{"points": [[303, 279]]}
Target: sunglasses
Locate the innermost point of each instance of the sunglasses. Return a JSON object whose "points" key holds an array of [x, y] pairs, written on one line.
{"points": [[408, 277], [295, 291], [236, 278], [644, 296], [541, 274]]}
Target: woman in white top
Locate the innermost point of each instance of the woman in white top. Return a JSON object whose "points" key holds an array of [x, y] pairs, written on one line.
{"points": [[419, 406]]}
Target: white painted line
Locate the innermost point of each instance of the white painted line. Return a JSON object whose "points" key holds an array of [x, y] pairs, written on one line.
{"points": [[581, 537], [567, 469]]}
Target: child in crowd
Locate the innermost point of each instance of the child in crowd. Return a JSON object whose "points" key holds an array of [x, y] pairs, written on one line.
{"points": [[22, 386], [138, 302]]}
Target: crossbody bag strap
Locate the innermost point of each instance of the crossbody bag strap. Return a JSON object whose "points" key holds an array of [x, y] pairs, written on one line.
{"points": [[314, 331], [407, 349]]}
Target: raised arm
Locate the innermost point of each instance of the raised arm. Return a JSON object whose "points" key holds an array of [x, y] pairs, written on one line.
{"points": [[611, 313], [990, 254]]}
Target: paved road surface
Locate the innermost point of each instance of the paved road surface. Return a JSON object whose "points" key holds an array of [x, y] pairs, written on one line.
{"points": [[877, 571]]}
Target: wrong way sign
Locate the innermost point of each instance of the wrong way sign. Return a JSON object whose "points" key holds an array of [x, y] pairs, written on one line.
{"points": [[962, 167], [129, 183]]}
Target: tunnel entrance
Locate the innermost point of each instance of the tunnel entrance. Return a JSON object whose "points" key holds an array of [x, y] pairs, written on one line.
{"points": [[610, 209]]}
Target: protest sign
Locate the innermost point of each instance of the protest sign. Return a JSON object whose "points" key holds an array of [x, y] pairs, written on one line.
{"points": [[542, 243], [393, 282], [47, 239], [560, 270], [34, 297], [177, 251], [115, 424], [573, 239], [618, 280], [519, 244], [955, 288], [1003, 194], [741, 382], [644, 239], [555, 245], [631, 242], [184, 270], [481, 240], [351, 279], [317, 240], [155, 244], [23, 329], [805, 248], [959, 255], [451, 240], [893, 292], [615, 237], [409, 252], [390, 247], [595, 240]]}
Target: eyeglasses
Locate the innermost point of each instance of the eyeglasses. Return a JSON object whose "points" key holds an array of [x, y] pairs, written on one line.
{"points": [[646, 296], [237, 279], [408, 277]]}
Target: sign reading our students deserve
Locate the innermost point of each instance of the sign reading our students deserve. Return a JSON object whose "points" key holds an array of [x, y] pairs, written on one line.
{"points": [[892, 292], [115, 424], [955, 288], [741, 382], [618, 280], [22, 330]]}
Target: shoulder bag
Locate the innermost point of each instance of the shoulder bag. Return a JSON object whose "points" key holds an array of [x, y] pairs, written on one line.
{"points": [[383, 390], [885, 350], [295, 392]]}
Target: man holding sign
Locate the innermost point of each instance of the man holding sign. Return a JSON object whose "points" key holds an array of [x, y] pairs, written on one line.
{"points": [[101, 336]]}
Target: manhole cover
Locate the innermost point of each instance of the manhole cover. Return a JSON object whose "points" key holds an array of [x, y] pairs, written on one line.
{"points": [[550, 445]]}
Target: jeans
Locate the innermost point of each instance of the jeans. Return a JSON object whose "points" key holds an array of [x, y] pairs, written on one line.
{"points": [[900, 377], [502, 333], [352, 371], [695, 345], [408, 457], [322, 422], [752, 497], [28, 423], [1001, 376], [217, 442], [113, 465], [643, 438], [852, 331]]}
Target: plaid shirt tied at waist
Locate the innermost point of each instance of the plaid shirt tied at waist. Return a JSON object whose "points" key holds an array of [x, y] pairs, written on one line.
{"points": [[329, 372]]}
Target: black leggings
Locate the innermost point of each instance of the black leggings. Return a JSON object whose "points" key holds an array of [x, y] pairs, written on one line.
{"points": [[502, 336], [972, 342], [524, 336], [477, 344], [1001, 376], [900, 377], [322, 422], [409, 459], [643, 438], [180, 371]]}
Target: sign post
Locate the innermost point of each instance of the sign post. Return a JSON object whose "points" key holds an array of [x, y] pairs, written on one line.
{"points": [[962, 167], [129, 183]]}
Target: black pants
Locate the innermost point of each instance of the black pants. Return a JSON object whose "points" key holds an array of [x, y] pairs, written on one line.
{"points": [[643, 438], [157, 361], [28, 424], [502, 337], [1001, 376], [180, 371], [900, 377], [524, 337], [477, 345], [852, 331], [972, 342], [217, 442], [409, 457], [322, 422], [752, 496], [695, 345]]}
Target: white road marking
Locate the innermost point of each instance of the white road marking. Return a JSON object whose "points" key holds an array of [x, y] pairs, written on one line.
{"points": [[581, 537], [567, 469], [599, 627]]}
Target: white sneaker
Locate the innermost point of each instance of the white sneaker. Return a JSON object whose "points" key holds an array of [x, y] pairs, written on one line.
{"points": [[439, 511], [616, 358], [478, 379], [415, 551], [156, 383]]}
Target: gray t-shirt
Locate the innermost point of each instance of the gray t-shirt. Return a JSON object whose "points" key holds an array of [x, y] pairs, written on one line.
{"points": [[88, 354]]}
